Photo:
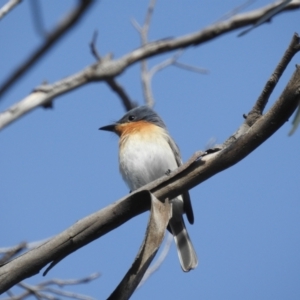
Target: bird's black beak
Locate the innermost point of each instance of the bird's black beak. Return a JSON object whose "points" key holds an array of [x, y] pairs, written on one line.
{"points": [[111, 128]]}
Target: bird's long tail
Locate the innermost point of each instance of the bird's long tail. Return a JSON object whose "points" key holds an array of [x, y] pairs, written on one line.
{"points": [[186, 252]]}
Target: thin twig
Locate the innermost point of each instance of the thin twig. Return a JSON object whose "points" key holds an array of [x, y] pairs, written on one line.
{"points": [[13, 252], [64, 282], [68, 294], [262, 100], [120, 91], [296, 121], [70, 20], [27, 246], [174, 61], [235, 10], [145, 76], [165, 63], [33, 290], [94, 48], [268, 16], [111, 81], [37, 18], [6, 8], [44, 291], [190, 68], [10, 293]]}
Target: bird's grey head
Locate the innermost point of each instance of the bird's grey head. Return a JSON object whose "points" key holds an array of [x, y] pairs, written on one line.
{"points": [[141, 113]]}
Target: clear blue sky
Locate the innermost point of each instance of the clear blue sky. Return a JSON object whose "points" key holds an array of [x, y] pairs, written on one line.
{"points": [[56, 167]]}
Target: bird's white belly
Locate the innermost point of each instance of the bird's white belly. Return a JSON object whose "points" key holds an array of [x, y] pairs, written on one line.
{"points": [[142, 161]]}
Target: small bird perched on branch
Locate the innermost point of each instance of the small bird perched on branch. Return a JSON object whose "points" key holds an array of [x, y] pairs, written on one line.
{"points": [[147, 152]]}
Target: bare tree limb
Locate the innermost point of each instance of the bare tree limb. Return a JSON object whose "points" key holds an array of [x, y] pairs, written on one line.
{"points": [[120, 91], [67, 294], [64, 282], [108, 68], [145, 76], [296, 121], [112, 82], [44, 289], [8, 255], [262, 100], [190, 68], [6, 8], [153, 268], [268, 16], [26, 246], [67, 23], [198, 169], [34, 291], [9, 252], [158, 221]]}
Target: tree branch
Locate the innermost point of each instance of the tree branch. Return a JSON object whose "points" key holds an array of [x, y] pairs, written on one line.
{"points": [[198, 169], [8, 255], [6, 8], [143, 31], [262, 101], [155, 266], [108, 68], [174, 61], [159, 218], [37, 18], [44, 289], [112, 83], [235, 10], [268, 16], [67, 23]]}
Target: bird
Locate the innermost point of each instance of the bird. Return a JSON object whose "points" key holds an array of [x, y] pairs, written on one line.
{"points": [[146, 153]]}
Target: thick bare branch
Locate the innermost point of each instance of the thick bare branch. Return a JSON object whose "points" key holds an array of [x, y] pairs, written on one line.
{"points": [[108, 68], [153, 268], [198, 169], [6, 8], [157, 225], [67, 23]]}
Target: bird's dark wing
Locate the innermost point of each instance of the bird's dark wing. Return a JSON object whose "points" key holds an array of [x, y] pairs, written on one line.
{"points": [[186, 196]]}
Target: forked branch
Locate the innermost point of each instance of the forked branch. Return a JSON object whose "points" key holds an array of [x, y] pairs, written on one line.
{"points": [[198, 169], [108, 68]]}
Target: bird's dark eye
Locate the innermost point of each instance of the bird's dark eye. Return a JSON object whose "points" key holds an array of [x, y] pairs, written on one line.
{"points": [[131, 118]]}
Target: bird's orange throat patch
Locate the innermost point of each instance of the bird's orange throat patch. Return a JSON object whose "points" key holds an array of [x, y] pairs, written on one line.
{"points": [[134, 127], [142, 129]]}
